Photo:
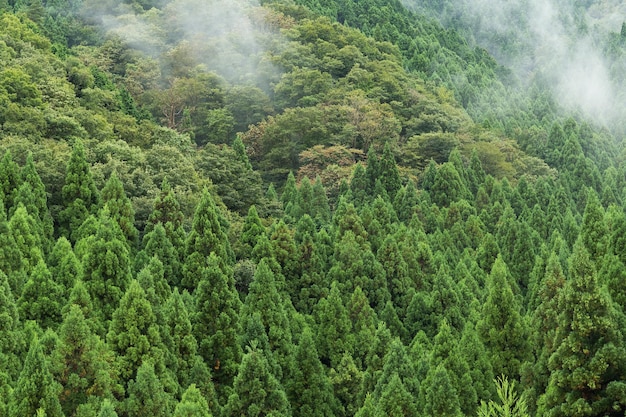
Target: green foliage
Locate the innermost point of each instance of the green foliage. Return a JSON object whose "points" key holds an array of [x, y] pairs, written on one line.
{"points": [[511, 404], [192, 404]]}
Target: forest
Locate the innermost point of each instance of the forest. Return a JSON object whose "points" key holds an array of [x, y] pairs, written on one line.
{"points": [[311, 208]]}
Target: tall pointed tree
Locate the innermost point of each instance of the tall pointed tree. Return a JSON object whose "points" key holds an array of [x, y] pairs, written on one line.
{"points": [[35, 389], [587, 369], [192, 404], [216, 323], [120, 208], [80, 195], [10, 180], [207, 235]]}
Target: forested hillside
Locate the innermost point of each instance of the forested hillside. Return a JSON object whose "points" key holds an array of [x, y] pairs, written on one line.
{"points": [[302, 208]]}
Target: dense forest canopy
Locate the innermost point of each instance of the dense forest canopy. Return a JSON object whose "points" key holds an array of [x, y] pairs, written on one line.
{"points": [[312, 207]]}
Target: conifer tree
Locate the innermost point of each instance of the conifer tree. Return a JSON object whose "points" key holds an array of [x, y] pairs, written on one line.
{"points": [[441, 398], [502, 328], [388, 172], [10, 180], [80, 195], [309, 390], [448, 186], [594, 232], [256, 391], [120, 208], [10, 345], [32, 194], [346, 380], [166, 210], [107, 409], [146, 394], [587, 367], [156, 243], [216, 323], [134, 333], [41, 298], [35, 389], [64, 265], [252, 230], [320, 208], [23, 229], [333, 334], [395, 400], [106, 266], [364, 322], [192, 404], [396, 362], [206, 236], [81, 363]]}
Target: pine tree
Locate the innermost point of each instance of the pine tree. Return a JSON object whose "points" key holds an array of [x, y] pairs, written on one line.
{"points": [[441, 399], [309, 390], [388, 172], [80, 195], [206, 236], [42, 298], [120, 208], [10, 340], [10, 180], [252, 230], [81, 363], [64, 265], [166, 210], [256, 391], [32, 194], [35, 389], [395, 400], [134, 333], [587, 367], [333, 335], [216, 323], [502, 328], [594, 232], [107, 409], [146, 395], [106, 266], [320, 207], [192, 404], [23, 229]]}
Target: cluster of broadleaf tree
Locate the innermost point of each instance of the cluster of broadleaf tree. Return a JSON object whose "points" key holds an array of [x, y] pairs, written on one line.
{"points": [[410, 256]]}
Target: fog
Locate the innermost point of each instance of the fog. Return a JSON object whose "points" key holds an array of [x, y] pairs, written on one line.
{"points": [[548, 40], [221, 35]]}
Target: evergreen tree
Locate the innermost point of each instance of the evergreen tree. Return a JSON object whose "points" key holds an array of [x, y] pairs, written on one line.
{"points": [[106, 266], [320, 207], [64, 265], [80, 195], [146, 395], [166, 210], [587, 367], [310, 391], [35, 389], [107, 409], [120, 208], [32, 194], [441, 399], [502, 328], [216, 323], [10, 340], [256, 391], [10, 180], [134, 333], [206, 236], [252, 230], [41, 298], [192, 404], [156, 243], [333, 334], [388, 172], [594, 232], [395, 400], [23, 229], [81, 363]]}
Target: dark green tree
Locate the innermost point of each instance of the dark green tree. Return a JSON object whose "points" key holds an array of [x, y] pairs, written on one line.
{"points": [[441, 398], [256, 391], [587, 366], [333, 335], [41, 298], [216, 324], [502, 328], [106, 266], [80, 195], [594, 232], [35, 390], [120, 208], [252, 230], [156, 243], [388, 172], [146, 394], [207, 235], [310, 391], [193, 404], [64, 265], [10, 180]]}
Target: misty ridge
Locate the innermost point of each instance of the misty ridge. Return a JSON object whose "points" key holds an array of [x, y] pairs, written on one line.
{"points": [[551, 44], [220, 35]]}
